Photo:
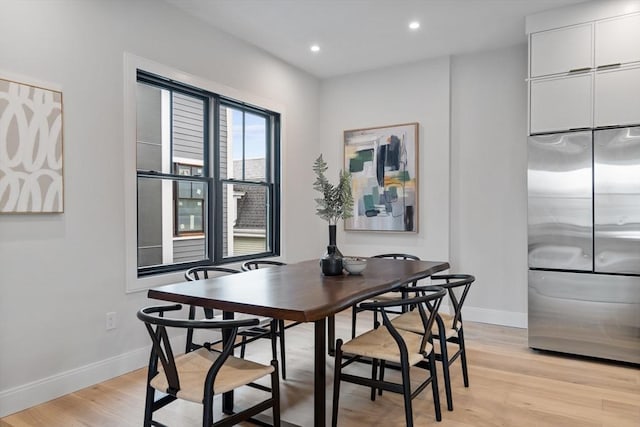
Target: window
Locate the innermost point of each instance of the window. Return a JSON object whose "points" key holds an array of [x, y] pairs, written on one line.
{"points": [[189, 198], [207, 177]]}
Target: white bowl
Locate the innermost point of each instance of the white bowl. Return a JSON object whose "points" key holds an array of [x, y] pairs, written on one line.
{"points": [[354, 265]]}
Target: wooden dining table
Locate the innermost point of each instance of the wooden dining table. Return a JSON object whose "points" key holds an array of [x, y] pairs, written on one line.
{"points": [[298, 292]]}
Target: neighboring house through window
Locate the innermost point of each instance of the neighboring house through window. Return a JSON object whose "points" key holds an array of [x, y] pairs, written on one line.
{"points": [[207, 177], [189, 199]]}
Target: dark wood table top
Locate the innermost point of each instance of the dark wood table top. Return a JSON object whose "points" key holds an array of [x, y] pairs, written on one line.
{"points": [[296, 291]]}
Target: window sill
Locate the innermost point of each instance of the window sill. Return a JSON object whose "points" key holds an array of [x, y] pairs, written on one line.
{"points": [[189, 237]]}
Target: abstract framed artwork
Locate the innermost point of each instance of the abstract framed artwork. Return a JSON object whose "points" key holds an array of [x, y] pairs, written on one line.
{"points": [[31, 179], [383, 162]]}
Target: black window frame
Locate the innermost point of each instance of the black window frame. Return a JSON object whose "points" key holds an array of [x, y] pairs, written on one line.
{"points": [[214, 205]]}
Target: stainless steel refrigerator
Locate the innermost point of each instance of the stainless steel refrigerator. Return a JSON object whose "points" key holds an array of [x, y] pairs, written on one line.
{"points": [[584, 243]]}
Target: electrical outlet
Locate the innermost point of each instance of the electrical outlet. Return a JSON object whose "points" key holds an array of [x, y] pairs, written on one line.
{"points": [[111, 320]]}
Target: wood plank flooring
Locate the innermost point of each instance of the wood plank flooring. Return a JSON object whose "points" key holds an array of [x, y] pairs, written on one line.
{"points": [[510, 385]]}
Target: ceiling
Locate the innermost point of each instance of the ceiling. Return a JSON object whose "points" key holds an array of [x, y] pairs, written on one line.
{"points": [[359, 35]]}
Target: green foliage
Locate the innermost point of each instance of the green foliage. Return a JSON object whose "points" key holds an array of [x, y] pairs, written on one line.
{"points": [[336, 201]]}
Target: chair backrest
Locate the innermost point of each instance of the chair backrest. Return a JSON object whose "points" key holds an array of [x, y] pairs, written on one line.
{"points": [[198, 273], [400, 256], [203, 271], [260, 263], [426, 299], [157, 324], [397, 256], [455, 282]]}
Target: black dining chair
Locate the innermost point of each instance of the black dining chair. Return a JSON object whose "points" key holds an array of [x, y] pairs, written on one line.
{"points": [[282, 325], [199, 375], [449, 327], [355, 309], [388, 344], [266, 328], [260, 263]]}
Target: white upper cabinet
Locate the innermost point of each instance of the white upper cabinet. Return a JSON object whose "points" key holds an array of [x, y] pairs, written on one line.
{"points": [[617, 40], [561, 103], [561, 51], [585, 75], [617, 97]]}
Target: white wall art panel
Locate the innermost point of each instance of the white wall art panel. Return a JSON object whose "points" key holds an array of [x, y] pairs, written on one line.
{"points": [[30, 149]]}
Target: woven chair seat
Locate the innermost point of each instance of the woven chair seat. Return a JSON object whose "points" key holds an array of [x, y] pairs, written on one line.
{"points": [[193, 367], [387, 296], [411, 321], [379, 344]]}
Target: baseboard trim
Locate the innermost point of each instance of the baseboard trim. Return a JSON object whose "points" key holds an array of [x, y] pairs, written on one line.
{"points": [[495, 317], [34, 393]]}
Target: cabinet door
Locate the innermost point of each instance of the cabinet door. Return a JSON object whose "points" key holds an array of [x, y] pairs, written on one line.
{"points": [[617, 97], [561, 50], [617, 40], [562, 103]]}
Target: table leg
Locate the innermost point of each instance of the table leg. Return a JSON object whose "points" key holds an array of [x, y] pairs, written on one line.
{"points": [[332, 335], [320, 379]]}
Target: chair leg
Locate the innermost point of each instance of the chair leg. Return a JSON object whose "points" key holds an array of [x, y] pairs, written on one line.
{"points": [[382, 366], [374, 376], [354, 317], [444, 355], [207, 412], [406, 394], [273, 328], [189, 340], [376, 324], [463, 357], [243, 346], [336, 382], [434, 385], [283, 358], [275, 393], [150, 397], [148, 406], [192, 315]]}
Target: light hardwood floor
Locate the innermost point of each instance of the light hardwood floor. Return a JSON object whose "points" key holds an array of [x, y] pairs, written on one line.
{"points": [[510, 385]]}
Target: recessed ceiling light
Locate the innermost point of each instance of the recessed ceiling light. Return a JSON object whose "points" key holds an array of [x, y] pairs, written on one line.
{"points": [[414, 25], [315, 48]]}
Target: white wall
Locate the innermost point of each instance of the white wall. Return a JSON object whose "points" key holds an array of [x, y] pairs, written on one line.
{"points": [[479, 224], [60, 274], [410, 93], [488, 181]]}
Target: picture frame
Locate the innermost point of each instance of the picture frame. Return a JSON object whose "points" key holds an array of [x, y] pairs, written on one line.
{"points": [[31, 160], [383, 163]]}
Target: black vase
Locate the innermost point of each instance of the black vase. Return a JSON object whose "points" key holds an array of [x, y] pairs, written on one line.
{"points": [[331, 262], [332, 240]]}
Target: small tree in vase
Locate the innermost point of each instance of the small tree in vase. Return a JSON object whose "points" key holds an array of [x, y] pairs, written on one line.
{"points": [[336, 203]]}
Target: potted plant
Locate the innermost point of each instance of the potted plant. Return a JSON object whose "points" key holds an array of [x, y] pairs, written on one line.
{"points": [[336, 202]]}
